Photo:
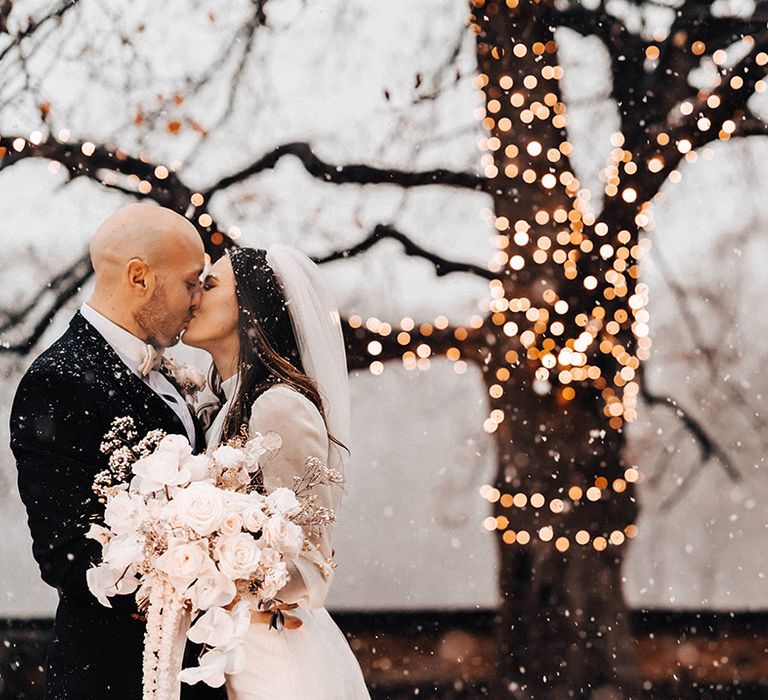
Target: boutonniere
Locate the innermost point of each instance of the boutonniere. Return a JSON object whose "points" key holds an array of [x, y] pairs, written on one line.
{"points": [[189, 379]]}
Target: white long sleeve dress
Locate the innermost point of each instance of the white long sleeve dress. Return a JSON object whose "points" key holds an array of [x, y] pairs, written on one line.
{"points": [[314, 661]]}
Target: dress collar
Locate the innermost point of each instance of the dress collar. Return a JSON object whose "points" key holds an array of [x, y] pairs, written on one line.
{"points": [[130, 348], [229, 386]]}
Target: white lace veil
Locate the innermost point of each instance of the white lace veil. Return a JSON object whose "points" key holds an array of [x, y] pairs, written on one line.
{"points": [[317, 327]]}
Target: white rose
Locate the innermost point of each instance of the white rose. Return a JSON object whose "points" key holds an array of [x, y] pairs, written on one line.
{"points": [[183, 563], [228, 457], [269, 556], [124, 512], [200, 506], [283, 501], [199, 467], [250, 506], [177, 444], [274, 581], [238, 555], [284, 536], [236, 502], [231, 524], [158, 470], [254, 518]]}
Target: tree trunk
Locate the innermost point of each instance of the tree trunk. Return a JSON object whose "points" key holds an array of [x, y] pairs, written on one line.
{"points": [[563, 625]]}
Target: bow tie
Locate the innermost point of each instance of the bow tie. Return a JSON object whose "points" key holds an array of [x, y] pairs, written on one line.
{"points": [[151, 360]]}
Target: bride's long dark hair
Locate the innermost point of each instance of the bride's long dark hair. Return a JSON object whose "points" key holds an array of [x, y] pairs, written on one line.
{"points": [[269, 353]]}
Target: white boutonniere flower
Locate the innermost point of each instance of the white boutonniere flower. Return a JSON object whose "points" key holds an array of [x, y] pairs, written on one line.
{"points": [[190, 380]]}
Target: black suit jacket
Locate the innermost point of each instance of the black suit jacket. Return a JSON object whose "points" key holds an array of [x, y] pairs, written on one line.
{"points": [[64, 404]]}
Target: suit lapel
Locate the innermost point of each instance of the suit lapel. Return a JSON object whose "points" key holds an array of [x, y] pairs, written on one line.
{"points": [[199, 430], [146, 406]]}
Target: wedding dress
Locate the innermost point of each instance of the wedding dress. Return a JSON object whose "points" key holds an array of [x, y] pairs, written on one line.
{"points": [[314, 661]]}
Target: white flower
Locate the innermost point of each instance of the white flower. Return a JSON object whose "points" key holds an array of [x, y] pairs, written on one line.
{"points": [[224, 630], [124, 512], [190, 378], [274, 581], [269, 556], [228, 457], [212, 591], [283, 501], [124, 550], [237, 502], [177, 444], [101, 583], [283, 535], [241, 616], [259, 445], [231, 524], [183, 563], [210, 670], [200, 506], [158, 470], [250, 507], [254, 518], [199, 467], [104, 581], [235, 658], [99, 533], [216, 628], [238, 555]]}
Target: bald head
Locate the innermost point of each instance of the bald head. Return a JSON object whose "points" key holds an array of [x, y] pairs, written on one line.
{"points": [[144, 231], [147, 260]]}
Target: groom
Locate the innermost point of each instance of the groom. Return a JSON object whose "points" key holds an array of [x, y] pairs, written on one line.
{"points": [[147, 262]]}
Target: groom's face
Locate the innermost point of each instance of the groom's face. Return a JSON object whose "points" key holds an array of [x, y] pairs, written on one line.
{"points": [[173, 298]]}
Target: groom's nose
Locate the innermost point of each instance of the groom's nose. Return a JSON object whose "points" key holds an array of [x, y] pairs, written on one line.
{"points": [[196, 295]]}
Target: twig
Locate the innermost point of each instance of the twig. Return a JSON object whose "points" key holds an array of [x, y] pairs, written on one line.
{"points": [[709, 446]]}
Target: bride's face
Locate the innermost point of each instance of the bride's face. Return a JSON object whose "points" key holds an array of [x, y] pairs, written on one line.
{"points": [[215, 320]]}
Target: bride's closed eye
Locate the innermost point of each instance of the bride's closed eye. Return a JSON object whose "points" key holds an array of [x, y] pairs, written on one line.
{"points": [[209, 283]]}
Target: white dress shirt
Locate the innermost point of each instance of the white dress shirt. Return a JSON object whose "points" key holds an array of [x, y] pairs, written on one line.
{"points": [[131, 350]]}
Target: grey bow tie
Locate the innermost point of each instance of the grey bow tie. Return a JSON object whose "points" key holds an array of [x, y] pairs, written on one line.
{"points": [[150, 361]]}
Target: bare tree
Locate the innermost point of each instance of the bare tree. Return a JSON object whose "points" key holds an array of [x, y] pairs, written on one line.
{"points": [[570, 289]]}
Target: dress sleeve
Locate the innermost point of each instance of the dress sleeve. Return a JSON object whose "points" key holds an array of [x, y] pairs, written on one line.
{"points": [[302, 429]]}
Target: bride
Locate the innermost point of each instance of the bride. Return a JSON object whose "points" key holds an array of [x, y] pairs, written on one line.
{"points": [[274, 334]]}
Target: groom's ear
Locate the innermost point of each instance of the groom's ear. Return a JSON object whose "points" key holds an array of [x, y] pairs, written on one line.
{"points": [[138, 275]]}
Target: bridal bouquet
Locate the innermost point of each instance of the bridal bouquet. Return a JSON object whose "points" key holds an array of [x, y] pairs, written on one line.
{"points": [[194, 532]]}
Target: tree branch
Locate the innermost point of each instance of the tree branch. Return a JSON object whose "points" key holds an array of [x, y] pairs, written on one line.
{"points": [[165, 186], [382, 231], [33, 26], [708, 445], [59, 290], [350, 174]]}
